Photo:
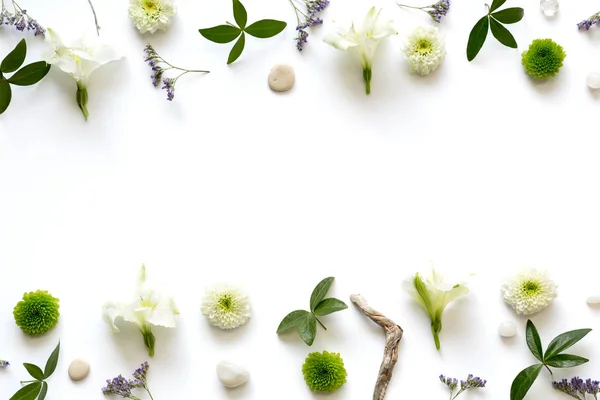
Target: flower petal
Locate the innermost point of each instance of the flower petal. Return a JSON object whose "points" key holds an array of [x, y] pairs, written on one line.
{"points": [[340, 41], [110, 312], [164, 313]]}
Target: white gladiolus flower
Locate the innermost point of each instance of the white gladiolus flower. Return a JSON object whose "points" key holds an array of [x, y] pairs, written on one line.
{"points": [[530, 291], [424, 49], [149, 308], [151, 15], [226, 306], [363, 42]]}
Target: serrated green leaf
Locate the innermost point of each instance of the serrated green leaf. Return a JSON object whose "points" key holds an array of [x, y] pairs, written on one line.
{"points": [[496, 4], [564, 341], [523, 381], [52, 362], [35, 371], [5, 95], [565, 361], [29, 392], [320, 291], [265, 28], [240, 14], [477, 37], [328, 306], [308, 329], [44, 391], [15, 58], [221, 33], [502, 34], [509, 15], [30, 74], [292, 320], [533, 341], [237, 49]]}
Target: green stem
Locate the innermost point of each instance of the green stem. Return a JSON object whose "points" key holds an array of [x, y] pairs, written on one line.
{"points": [[23, 382], [297, 11], [320, 323], [149, 339], [149, 394], [367, 75], [549, 370], [459, 392], [82, 99], [416, 8], [95, 17]]}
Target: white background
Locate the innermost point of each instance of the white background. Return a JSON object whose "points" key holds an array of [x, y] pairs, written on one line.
{"points": [[476, 168]]}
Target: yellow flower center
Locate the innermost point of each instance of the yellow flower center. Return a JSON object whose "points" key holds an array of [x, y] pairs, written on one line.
{"points": [[530, 288], [151, 6], [423, 46]]}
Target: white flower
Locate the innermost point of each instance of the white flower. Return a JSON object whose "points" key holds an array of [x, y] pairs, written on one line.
{"points": [[363, 41], [149, 308], [433, 295], [151, 15], [226, 306], [79, 60], [424, 49], [529, 291]]}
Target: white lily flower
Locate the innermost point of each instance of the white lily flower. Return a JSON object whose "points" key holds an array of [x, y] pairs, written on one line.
{"points": [[79, 60], [433, 295], [149, 308], [363, 41]]}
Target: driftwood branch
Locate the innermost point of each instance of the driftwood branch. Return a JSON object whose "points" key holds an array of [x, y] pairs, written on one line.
{"points": [[393, 335]]}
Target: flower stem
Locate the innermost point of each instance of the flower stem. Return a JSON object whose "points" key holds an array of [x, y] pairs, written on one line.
{"points": [[82, 99], [149, 339], [416, 8], [549, 370], [367, 75], [95, 17], [320, 323], [149, 394]]}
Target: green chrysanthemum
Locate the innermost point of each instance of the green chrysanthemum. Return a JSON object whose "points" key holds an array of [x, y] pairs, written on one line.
{"points": [[37, 313], [324, 372], [543, 59]]}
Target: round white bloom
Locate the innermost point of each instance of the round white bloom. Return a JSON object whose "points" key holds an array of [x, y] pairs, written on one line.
{"points": [[151, 15], [530, 291], [424, 49], [226, 306]]}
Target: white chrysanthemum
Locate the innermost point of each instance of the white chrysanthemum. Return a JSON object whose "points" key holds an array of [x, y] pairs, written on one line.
{"points": [[226, 306], [424, 49], [151, 15], [530, 291]]}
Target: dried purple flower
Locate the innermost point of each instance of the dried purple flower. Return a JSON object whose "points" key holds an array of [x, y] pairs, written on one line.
{"points": [[307, 19], [436, 11], [587, 23], [4, 363], [120, 386], [472, 382], [20, 20], [578, 388]]}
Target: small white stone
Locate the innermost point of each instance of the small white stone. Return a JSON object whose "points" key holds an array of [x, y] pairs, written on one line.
{"points": [[231, 375], [507, 329], [79, 370], [549, 7], [593, 80], [593, 299], [281, 78]]}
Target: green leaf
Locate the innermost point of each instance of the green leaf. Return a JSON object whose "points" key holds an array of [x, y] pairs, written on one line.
{"points": [[510, 15], [240, 14], [292, 320], [496, 4], [265, 28], [29, 392], [30, 74], [236, 50], [564, 341], [565, 361], [477, 37], [308, 329], [221, 33], [533, 341], [5, 95], [523, 381], [329, 306], [15, 58], [320, 291], [52, 362], [44, 391], [502, 34], [35, 371]]}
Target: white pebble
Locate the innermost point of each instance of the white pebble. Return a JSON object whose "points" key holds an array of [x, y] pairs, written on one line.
{"points": [[281, 78], [79, 370], [593, 80], [593, 299], [232, 375], [507, 329], [549, 7]]}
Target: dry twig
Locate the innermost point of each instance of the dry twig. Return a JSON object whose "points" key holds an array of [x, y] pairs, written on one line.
{"points": [[393, 335]]}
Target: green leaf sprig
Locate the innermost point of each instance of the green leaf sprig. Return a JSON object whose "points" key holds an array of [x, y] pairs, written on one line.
{"points": [[553, 357], [37, 388], [493, 20], [26, 76], [306, 321], [262, 29]]}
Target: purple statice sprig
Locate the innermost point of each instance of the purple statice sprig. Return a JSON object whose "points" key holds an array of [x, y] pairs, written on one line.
{"points": [[159, 66], [20, 19], [472, 382], [578, 388], [4, 364], [120, 386], [587, 23], [307, 18], [436, 11]]}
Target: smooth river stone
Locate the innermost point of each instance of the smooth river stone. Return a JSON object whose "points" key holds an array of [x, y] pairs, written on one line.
{"points": [[593, 299], [593, 80], [281, 78], [231, 375], [79, 370], [507, 329]]}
